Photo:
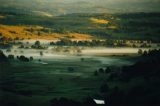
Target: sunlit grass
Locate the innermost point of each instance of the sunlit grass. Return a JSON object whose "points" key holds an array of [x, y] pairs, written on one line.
{"points": [[99, 21], [36, 32], [2, 17]]}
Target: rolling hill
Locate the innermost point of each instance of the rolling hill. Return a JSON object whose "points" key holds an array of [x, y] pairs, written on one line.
{"points": [[38, 32], [145, 26]]}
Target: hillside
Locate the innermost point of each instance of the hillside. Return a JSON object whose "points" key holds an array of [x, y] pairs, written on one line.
{"points": [[138, 26], [38, 32]]}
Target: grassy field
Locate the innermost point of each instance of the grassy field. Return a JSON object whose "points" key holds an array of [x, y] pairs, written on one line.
{"points": [[35, 84]]}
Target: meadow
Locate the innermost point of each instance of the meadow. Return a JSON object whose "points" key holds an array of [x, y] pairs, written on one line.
{"points": [[35, 83]]}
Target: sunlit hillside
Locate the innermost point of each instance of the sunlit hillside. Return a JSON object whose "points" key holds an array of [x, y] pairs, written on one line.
{"points": [[38, 32], [103, 26], [99, 21], [2, 17]]}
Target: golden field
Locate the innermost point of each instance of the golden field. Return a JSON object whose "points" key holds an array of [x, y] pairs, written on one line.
{"points": [[36, 32], [1, 17], [99, 21]]}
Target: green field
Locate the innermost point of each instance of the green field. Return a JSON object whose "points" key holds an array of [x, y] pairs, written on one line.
{"points": [[35, 84]]}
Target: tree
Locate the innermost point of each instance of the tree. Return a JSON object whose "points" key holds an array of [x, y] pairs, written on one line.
{"points": [[39, 60], [0, 34], [10, 56], [96, 73], [3, 58], [107, 70], [82, 59], [23, 58], [101, 70], [18, 57], [70, 69], [145, 53], [41, 53], [27, 43], [37, 43], [22, 46], [31, 30], [39, 33], [140, 52], [31, 58]]}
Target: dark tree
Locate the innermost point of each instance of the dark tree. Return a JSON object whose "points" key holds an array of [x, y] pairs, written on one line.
{"points": [[82, 59], [3, 58], [145, 53], [41, 53], [140, 52], [24, 59], [107, 70], [31, 58], [37, 43], [11, 57], [101, 70], [70, 69], [96, 73]]}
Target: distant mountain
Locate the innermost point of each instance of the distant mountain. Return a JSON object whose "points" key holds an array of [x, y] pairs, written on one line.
{"points": [[58, 7]]}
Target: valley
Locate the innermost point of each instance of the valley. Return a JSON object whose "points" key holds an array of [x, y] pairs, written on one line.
{"points": [[73, 52]]}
